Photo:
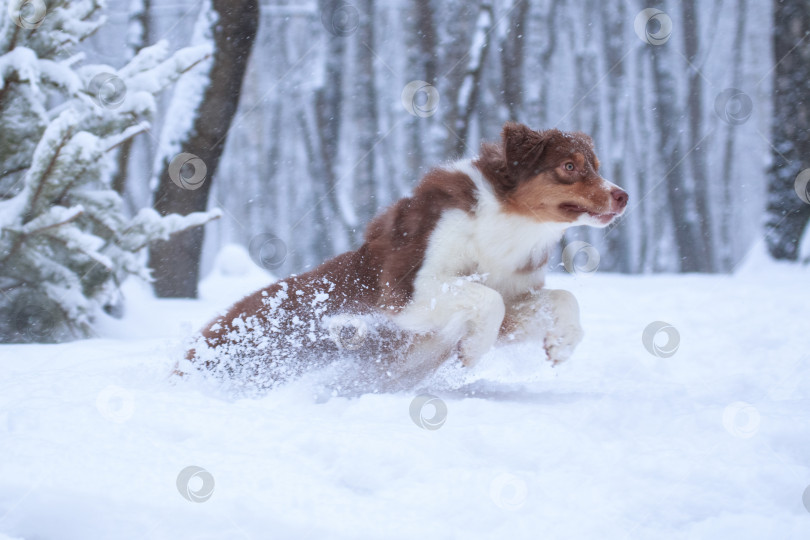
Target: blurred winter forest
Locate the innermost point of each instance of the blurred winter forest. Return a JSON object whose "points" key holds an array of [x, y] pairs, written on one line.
{"points": [[345, 104], [321, 140]]}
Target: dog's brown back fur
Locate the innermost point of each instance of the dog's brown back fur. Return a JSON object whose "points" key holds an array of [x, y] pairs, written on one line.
{"points": [[376, 277], [399, 236]]}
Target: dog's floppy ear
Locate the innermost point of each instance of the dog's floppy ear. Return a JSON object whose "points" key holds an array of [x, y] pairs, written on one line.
{"points": [[523, 150]]}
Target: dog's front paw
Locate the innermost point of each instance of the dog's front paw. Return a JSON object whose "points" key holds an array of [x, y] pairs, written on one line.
{"points": [[566, 332], [472, 347], [561, 342]]}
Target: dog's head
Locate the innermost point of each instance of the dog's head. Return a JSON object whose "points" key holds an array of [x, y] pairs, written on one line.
{"points": [[551, 176]]}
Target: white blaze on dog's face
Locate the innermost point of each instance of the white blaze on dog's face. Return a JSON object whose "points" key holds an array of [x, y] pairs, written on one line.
{"points": [[554, 177]]}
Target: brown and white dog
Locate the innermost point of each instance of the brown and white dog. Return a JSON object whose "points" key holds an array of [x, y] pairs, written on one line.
{"points": [[452, 269]]}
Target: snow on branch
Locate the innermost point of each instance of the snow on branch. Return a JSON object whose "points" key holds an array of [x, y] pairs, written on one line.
{"points": [[188, 93], [148, 226]]}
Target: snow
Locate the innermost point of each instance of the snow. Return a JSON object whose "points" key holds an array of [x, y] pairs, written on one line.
{"points": [[148, 225], [154, 79], [30, 69], [709, 443]]}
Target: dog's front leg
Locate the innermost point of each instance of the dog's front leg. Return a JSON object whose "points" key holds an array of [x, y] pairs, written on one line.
{"points": [[460, 313], [566, 332], [483, 311], [550, 315]]}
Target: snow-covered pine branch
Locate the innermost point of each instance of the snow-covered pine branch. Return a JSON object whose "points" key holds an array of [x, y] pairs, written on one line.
{"points": [[188, 94], [65, 243]]}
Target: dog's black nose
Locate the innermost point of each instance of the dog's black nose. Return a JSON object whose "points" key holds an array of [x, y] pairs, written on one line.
{"points": [[620, 196]]}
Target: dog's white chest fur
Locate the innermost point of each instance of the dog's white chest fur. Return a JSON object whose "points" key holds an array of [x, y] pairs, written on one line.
{"points": [[474, 267], [497, 246]]}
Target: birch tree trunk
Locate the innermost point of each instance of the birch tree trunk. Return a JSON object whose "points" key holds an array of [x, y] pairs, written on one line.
{"points": [[468, 92]]}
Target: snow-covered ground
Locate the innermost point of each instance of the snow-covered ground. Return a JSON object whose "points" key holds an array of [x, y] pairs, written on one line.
{"points": [[711, 442]]}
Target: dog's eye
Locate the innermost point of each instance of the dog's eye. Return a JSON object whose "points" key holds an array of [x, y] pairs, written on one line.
{"points": [[569, 166]]}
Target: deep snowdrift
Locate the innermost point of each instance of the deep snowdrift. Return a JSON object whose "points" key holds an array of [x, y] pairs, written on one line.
{"points": [[711, 442]]}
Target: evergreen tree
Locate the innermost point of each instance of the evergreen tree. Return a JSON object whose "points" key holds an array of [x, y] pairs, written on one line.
{"points": [[65, 243]]}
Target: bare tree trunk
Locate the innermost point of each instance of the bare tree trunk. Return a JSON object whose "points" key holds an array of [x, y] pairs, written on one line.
{"points": [[320, 217], [698, 154], [787, 214], [618, 238], [727, 202], [692, 254], [176, 262], [365, 117], [586, 112], [512, 56], [421, 41], [328, 119], [545, 59]]}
